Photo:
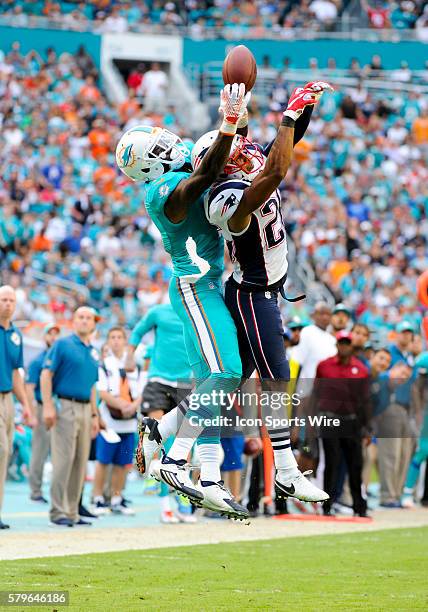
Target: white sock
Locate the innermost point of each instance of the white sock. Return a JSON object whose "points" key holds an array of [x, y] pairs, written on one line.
{"points": [[283, 455], [168, 425], [286, 462], [99, 498], [116, 500], [165, 503], [181, 448], [209, 455], [185, 438]]}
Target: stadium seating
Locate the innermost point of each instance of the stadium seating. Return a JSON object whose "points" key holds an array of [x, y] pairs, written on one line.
{"points": [[198, 18], [68, 216]]}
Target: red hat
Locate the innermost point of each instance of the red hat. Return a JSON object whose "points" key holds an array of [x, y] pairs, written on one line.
{"points": [[344, 334]]}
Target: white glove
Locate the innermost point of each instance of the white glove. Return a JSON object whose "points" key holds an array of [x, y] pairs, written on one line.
{"points": [[233, 104], [243, 119]]}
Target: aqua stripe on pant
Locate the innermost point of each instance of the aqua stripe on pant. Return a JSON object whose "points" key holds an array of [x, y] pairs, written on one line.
{"points": [[211, 344]]}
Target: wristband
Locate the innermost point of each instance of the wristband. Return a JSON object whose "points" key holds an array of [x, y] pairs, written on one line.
{"points": [[228, 128], [243, 120], [287, 121]]}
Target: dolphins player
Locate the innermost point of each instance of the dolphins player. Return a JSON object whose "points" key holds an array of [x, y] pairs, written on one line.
{"points": [[174, 201]]}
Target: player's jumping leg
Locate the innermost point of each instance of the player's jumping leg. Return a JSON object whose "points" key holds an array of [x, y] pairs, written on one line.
{"points": [[258, 321], [213, 352]]}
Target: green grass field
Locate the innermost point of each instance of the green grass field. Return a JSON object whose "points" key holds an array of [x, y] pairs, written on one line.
{"points": [[381, 570]]}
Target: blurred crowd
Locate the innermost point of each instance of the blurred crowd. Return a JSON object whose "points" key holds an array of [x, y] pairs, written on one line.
{"points": [[355, 202], [373, 459], [253, 18], [397, 15], [66, 211], [74, 231]]}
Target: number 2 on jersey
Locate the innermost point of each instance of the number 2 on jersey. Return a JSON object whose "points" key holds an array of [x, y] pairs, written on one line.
{"points": [[273, 231]]}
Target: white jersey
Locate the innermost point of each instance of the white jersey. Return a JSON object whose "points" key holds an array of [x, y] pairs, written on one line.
{"points": [[109, 379], [259, 253]]}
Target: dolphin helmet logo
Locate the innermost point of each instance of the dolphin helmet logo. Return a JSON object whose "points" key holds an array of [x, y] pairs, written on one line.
{"points": [[127, 157]]}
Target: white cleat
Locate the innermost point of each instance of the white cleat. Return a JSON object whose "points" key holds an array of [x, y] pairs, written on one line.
{"points": [[168, 518], [219, 499], [149, 442], [122, 508], [99, 509], [300, 487], [407, 501], [177, 477]]}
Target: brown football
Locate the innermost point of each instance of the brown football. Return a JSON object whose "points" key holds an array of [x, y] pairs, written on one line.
{"points": [[240, 67], [253, 447]]}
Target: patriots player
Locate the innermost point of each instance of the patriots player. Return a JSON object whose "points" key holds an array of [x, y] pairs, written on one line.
{"points": [[245, 204], [174, 201]]}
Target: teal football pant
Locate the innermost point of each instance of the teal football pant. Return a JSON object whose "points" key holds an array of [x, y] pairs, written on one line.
{"points": [[419, 457], [212, 347]]}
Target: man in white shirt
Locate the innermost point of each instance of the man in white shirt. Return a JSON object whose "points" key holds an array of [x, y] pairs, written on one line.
{"points": [[108, 244], [13, 136], [323, 10], [154, 88], [120, 392], [115, 22], [316, 344]]}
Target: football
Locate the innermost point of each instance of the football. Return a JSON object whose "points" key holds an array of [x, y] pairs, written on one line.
{"points": [[240, 67], [253, 447]]}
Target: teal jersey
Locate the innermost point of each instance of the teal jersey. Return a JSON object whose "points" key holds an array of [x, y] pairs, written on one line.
{"points": [[168, 355], [195, 246]]}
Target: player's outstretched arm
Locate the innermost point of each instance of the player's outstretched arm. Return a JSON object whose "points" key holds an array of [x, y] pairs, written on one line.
{"points": [[144, 325], [302, 123], [232, 105], [277, 163]]}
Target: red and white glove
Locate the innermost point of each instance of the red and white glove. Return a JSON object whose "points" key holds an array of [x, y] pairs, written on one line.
{"points": [[233, 105], [305, 96], [299, 100], [318, 87]]}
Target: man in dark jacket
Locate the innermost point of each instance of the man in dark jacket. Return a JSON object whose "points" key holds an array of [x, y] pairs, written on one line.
{"points": [[341, 392]]}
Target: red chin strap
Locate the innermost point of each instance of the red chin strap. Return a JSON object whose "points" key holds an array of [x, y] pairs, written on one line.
{"points": [[246, 157]]}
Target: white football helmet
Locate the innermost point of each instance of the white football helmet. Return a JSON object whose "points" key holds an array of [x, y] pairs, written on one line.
{"points": [[144, 153], [246, 158]]}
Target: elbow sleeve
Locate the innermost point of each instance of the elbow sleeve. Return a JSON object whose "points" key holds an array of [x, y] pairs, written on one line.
{"points": [[302, 124]]}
